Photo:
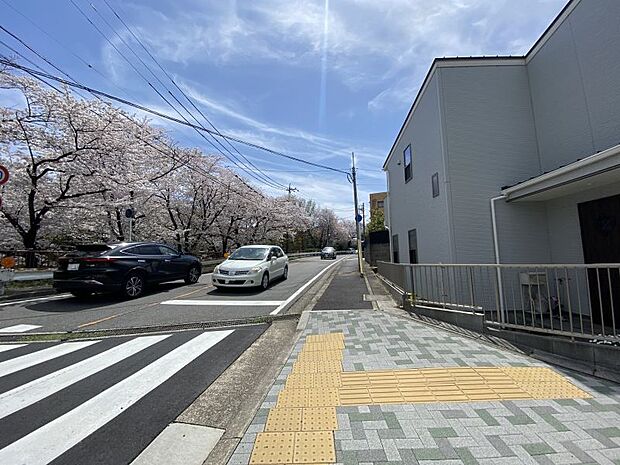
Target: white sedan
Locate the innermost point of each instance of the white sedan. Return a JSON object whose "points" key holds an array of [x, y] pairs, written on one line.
{"points": [[250, 266]]}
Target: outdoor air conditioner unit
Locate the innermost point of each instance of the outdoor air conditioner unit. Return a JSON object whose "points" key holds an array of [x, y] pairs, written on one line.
{"points": [[533, 279], [533, 291]]}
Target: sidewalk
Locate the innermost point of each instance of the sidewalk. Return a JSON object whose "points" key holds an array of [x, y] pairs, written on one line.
{"points": [[371, 387]]}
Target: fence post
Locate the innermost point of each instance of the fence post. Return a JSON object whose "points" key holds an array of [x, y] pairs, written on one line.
{"points": [[408, 283], [470, 282]]}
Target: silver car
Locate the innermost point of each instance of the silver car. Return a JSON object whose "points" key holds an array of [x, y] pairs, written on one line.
{"points": [[251, 266]]}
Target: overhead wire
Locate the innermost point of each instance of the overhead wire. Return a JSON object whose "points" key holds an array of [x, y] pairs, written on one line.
{"points": [[37, 75], [260, 178], [159, 114], [191, 102], [137, 71]]}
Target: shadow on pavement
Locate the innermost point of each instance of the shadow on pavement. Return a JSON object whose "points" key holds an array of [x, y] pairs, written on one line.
{"points": [[76, 304], [245, 291]]}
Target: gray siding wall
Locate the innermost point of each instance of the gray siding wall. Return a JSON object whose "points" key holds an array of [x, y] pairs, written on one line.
{"points": [[411, 205], [574, 83], [491, 143]]}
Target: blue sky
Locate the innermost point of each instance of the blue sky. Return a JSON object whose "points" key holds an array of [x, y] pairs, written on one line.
{"points": [[316, 79]]}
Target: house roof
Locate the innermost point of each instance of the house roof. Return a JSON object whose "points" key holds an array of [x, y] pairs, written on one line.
{"points": [[482, 60], [572, 177]]}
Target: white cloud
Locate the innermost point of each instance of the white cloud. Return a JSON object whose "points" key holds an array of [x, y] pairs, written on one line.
{"points": [[369, 40]]}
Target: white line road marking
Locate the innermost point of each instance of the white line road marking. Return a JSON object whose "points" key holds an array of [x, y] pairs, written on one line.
{"points": [[18, 328], [56, 437], [5, 347], [29, 393], [17, 302], [229, 303], [303, 288], [28, 360]]}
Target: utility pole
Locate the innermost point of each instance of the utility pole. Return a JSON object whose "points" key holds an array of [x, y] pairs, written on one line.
{"points": [[290, 190], [357, 215], [363, 222]]}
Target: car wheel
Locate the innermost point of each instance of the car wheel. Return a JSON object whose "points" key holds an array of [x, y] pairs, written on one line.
{"points": [[81, 294], [264, 283], [193, 275], [134, 285], [285, 274]]}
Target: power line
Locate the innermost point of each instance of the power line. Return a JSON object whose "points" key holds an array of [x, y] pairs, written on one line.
{"points": [[159, 114], [33, 73], [160, 82], [182, 91]]}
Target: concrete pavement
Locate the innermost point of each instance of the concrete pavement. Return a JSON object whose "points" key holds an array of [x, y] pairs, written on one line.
{"points": [[166, 304], [367, 387], [105, 400]]}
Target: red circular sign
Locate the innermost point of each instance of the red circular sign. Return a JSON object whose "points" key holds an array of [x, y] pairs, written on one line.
{"points": [[4, 175]]}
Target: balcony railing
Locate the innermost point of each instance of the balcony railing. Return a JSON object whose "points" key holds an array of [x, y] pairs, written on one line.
{"points": [[573, 300]]}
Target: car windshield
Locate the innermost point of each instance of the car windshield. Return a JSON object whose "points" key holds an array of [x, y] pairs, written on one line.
{"points": [[328, 249], [249, 253]]}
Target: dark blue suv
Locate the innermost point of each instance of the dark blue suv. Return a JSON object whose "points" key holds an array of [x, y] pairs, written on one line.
{"points": [[124, 267]]}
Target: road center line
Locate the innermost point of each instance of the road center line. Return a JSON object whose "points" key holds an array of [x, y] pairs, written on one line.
{"points": [[226, 303], [90, 323], [303, 288]]}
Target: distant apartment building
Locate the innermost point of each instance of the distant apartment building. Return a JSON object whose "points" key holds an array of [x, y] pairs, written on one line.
{"points": [[377, 201], [515, 159]]}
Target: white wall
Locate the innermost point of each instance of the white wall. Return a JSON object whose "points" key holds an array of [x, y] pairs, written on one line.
{"points": [[411, 205]]}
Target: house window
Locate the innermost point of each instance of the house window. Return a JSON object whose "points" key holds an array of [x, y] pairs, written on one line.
{"points": [[395, 258], [435, 184], [413, 246], [407, 163], [380, 204]]}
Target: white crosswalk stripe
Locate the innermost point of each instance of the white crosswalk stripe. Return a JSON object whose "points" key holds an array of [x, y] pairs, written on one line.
{"points": [[5, 347], [51, 438], [18, 328], [26, 361], [29, 393]]}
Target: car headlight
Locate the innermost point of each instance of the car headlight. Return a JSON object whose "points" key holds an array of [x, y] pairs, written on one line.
{"points": [[216, 269], [256, 269]]}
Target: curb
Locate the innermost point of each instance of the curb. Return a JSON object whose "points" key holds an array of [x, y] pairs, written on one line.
{"points": [[26, 294], [98, 333]]}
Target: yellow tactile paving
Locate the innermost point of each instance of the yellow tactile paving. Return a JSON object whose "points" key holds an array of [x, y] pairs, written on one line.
{"points": [[273, 448], [319, 355], [318, 366], [284, 419], [314, 446], [300, 427], [319, 419]]}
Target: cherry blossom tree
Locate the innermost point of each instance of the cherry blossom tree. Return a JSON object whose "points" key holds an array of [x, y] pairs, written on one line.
{"points": [[77, 165]]}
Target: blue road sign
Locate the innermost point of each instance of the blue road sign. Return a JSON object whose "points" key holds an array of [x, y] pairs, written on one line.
{"points": [[358, 218]]}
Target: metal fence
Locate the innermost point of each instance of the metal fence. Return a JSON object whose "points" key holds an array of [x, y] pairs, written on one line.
{"points": [[28, 258], [578, 301], [48, 259], [395, 274]]}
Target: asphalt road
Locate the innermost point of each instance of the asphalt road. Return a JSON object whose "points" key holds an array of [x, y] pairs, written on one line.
{"points": [[166, 304], [103, 401]]}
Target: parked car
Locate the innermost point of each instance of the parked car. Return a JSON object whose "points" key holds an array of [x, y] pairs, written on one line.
{"points": [[126, 267], [328, 252], [251, 266]]}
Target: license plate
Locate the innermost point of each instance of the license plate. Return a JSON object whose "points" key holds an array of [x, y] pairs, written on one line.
{"points": [[73, 266]]}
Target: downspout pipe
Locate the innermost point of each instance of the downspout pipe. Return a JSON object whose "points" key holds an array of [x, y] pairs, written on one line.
{"points": [[500, 286]]}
